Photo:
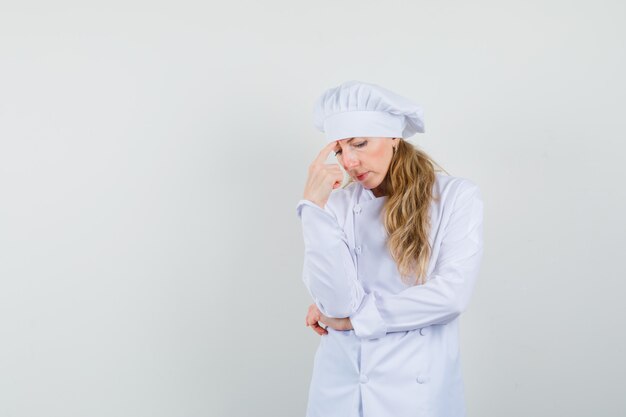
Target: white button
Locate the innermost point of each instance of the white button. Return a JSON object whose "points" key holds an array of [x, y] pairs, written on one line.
{"points": [[363, 379], [421, 379], [424, 331], [357, 209], [358, 249]]}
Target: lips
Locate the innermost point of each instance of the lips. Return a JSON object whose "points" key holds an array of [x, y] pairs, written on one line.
{"points": [[362, 176]]}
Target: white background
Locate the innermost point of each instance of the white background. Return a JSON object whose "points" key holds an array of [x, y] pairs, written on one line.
{"points": [[152, 154]]}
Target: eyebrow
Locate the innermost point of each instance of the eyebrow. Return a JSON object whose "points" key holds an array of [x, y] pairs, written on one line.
{"points": [[339, 146]]}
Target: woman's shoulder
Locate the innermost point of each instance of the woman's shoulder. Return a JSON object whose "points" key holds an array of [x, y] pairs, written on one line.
{"points": [[450, 187]]}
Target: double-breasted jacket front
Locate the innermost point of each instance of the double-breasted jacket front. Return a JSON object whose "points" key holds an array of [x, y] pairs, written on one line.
{"points": [[402, 357]]}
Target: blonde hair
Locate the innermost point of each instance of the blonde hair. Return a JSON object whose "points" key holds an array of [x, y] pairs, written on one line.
{"points": [[409, 187]]}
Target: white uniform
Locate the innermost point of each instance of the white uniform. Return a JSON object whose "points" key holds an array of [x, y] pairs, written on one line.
{"points": [[402, 358]]}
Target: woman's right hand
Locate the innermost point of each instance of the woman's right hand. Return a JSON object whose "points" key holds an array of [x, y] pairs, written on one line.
{"points": [[323, 178]]}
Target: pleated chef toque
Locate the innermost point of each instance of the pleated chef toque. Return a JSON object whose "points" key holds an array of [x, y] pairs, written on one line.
{"points": [[357, 109]]}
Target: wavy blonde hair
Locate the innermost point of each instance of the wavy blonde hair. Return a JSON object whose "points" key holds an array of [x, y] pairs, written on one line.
{"points": [[409, 188]]}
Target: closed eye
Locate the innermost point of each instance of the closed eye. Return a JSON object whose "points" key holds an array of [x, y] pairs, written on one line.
{"points": [[356, 145]]}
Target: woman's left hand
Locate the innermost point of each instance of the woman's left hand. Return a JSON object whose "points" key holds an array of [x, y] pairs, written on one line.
{"points": [[314, 316]]}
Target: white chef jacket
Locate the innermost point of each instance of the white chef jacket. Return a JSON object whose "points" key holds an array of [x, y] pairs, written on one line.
{"points": [[402, 358]]}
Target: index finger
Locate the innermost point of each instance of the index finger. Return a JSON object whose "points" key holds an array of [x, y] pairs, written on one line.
{"points": [[321, 158]]}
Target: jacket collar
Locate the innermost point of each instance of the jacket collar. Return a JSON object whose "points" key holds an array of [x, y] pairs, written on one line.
{"points": [[367, 197]]}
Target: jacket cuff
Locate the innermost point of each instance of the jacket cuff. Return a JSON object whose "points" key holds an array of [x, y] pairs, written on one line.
{"points": [[303, 203], [367, 321]]}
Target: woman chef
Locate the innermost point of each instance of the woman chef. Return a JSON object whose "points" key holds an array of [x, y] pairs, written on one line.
{"points": [[390, 261]]}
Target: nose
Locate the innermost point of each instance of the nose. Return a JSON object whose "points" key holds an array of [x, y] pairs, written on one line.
{"points": [[350, 160]]}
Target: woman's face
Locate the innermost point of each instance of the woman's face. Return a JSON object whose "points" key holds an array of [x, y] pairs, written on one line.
{"points": [[366, 160]]}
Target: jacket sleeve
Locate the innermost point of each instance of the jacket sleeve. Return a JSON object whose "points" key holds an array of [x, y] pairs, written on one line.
{"points": [[447, 291], [329, 272]]}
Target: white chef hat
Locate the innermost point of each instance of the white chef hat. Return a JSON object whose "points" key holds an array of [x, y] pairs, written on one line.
{"points": [[357, 109]]}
